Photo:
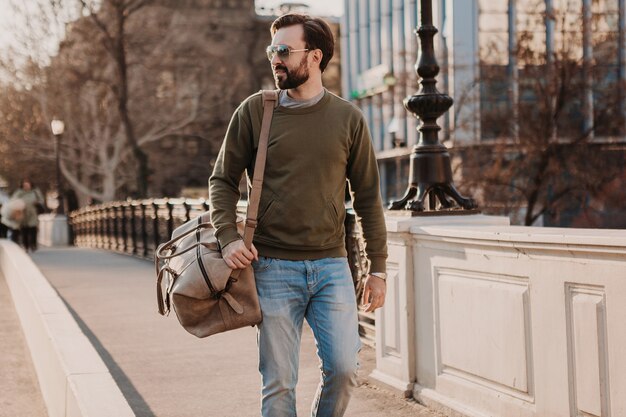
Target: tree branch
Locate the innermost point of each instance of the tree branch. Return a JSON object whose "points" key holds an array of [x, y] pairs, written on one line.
{"points": [[133, 5], [109, 40], [79, 186]]}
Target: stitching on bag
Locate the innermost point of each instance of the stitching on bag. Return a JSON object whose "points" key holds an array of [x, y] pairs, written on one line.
{"points": [[201, 265], [214, 294]]}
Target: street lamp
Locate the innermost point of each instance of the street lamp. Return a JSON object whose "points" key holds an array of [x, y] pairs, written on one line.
{"points": [[58, 127], [430, 170]]}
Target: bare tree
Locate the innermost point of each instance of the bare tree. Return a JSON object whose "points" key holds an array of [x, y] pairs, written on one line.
{"points": [[99, 160], [538, 156], [114, 34], [102, 81], [22, 154]]}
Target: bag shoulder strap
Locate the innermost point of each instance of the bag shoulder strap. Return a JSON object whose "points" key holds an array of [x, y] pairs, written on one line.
{"points": [[270, 101]]}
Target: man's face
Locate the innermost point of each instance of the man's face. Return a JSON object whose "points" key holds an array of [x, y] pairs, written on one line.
{"points": [[293, 71]]}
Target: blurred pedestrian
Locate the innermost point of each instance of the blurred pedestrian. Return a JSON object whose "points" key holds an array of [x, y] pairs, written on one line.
{"points": [[12, 215], [34, 205], [4, 198]]}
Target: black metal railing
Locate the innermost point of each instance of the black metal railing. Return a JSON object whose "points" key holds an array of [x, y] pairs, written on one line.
{"points": [[138, 227], [135, 227]]}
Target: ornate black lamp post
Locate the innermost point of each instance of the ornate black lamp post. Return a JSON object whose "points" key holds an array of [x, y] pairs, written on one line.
{"points": [[58, 127], [430, 169]]}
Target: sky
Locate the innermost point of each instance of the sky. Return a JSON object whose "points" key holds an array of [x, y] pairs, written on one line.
{"points": [[317, 7], [321, 7], [5, 20]]}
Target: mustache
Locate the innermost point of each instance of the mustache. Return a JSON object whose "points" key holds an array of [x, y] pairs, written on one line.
{"points": [[280, 67]]}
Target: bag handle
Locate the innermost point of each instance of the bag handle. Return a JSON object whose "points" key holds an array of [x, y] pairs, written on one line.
{"points": [[270, 100], [159, 253]]}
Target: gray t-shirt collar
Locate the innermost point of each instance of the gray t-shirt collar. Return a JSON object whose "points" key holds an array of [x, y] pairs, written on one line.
{"points": [[285, 101]]}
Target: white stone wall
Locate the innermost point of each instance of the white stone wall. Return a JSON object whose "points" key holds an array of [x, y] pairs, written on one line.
{"points": [[505, 320], [53, 230], [73, 378]]}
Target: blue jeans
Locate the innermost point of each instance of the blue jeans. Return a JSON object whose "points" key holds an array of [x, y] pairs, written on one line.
{"points": [[322, 292]]}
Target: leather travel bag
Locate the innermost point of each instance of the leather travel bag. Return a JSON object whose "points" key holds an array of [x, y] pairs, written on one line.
{"points": [[207, 296]]}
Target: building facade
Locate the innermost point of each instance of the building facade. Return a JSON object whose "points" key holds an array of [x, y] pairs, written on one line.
{"points": [[507, 64], [379, 54], [191, 63]]}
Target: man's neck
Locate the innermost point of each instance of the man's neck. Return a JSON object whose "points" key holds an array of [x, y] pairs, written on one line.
{"points": [[308, 90]]}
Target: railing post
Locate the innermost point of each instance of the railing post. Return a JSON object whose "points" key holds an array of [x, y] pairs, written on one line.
{"points": [[70, 229], [93, 230], [124, 210], [89, 238], [357, 261], [73, 220], [133, 228], [94, 226], [187, 211], [84, 228], [155, 225], [100, 226], [144, 233], [77, 224], [170, 218], [108, 244], [115, 216]]}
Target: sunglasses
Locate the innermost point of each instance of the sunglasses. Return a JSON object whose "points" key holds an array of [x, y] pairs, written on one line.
{"points": [[282, 51]]}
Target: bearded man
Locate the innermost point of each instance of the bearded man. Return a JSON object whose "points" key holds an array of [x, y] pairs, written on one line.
{"points": [[317, 141]]}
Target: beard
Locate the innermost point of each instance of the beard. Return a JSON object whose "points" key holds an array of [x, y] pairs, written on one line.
{"points": [[291, 78]]}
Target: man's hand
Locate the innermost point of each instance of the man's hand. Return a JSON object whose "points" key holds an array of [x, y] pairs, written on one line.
{"points": [[373, 293], [237, 256]]}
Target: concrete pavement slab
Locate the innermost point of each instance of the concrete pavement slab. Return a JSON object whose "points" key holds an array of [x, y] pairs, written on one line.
{"points": [[19, 390], [165, 372]]}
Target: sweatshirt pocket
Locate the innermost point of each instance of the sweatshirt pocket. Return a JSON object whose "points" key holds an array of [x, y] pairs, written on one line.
{"points": [[334, 212], [266, 213]]}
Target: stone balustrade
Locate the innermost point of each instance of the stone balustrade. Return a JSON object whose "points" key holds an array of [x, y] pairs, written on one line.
{"points": [[486, 319]]}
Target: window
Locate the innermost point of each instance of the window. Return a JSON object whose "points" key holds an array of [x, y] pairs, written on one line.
{"points": [[525, 81], [493, 38]]}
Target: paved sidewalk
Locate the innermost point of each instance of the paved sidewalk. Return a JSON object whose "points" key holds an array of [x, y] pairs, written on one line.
{"points": [[165, 372], [19, 389]]}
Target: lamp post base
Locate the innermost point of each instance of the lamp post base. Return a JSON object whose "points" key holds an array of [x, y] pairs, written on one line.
{"points": [[443, 193]]}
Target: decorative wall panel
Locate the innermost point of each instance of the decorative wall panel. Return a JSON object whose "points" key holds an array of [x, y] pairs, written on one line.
{"points": [[586, 324], [483, 326]]}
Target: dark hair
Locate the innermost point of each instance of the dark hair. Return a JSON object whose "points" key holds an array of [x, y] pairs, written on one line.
{"points": [[317, 33]]}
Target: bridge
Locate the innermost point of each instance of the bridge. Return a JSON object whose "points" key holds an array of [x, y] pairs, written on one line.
{"points": [[92, 344], [481, 319]]}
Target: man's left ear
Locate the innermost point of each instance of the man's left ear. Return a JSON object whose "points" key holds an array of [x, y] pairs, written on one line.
{"points": [[317, 56]]}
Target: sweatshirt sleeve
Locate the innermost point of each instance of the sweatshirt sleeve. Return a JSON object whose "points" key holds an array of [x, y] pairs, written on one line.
{"points": [[365, 186], [233, 159]]}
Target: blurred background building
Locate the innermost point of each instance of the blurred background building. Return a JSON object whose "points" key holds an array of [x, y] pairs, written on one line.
{"points": [[537, 129], [154, 85], [198, 59]]}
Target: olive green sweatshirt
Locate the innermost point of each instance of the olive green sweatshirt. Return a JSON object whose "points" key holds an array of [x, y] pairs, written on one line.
{"points": [[310, 154]]}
